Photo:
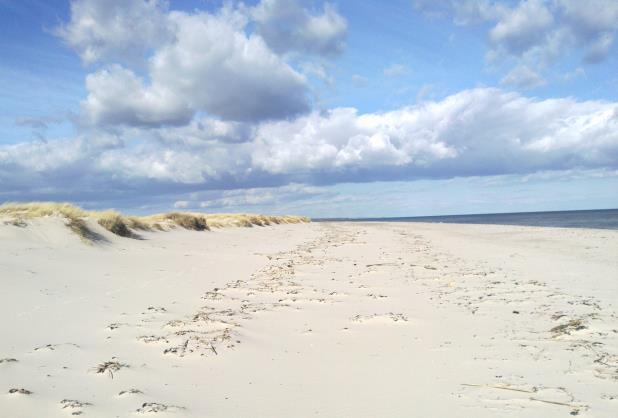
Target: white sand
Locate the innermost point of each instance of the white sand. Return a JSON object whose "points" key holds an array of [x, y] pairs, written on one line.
{"points": [[330, 320]]}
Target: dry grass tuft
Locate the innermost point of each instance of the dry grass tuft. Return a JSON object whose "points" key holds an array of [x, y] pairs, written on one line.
{"points": [[115, 223], [109, 367], [79, 227], [138, 224], [191, 221], [567, 328]]}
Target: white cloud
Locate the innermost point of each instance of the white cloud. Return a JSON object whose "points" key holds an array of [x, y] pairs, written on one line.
{"points": [[318, 70], [593, 24], [287, 26], [160, 67], [396, 70], [536, 33], [468, 12], [117, 96], [523, 77], [115, 29], [572, 75], [475, 132], [209, 65], [521, 28], [227, 73], [600, 48], [256, 197]]}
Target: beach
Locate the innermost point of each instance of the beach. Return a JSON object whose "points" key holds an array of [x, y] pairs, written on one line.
{"points": [[327, 319]]}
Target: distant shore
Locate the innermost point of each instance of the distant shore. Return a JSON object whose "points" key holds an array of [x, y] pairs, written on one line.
{"points": [[333, 319]]}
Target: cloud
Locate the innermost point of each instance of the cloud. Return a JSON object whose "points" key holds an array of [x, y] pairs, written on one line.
{"points": [[593, 24], [475, 132], [396, 70], [115, 29], [227, 73], [536, 33], [572, 75], [600, 48], [61, 169], [209, 65], [117, 96], [468, 12], [523, 77], [521, 28], [287, 26], [181, 204], [256, 197]]}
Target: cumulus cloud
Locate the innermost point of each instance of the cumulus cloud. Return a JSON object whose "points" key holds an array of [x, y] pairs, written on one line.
{"points": [[115, 29], [117, 96], [523, 77], [536, 33], [593, 23], [225, 72], [481, 131], [287, 26], [61, 169], [472, 132], [520, 28], [208, 63]]}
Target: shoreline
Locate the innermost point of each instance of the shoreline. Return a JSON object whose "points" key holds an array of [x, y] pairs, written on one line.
{"points": [[589, 219], [329, 318]]}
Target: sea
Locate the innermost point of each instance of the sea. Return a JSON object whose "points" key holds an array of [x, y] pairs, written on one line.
{"points": [[595, 219]]}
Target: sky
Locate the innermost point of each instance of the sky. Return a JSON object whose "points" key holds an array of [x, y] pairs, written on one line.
{"points": [[321, 108]]}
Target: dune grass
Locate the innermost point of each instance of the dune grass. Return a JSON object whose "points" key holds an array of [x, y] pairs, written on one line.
{"points": [[115, 223], [191, 221], [77, 219], [74, 215], [224, 220]]}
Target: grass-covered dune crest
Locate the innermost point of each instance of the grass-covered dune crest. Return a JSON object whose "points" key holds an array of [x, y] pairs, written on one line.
{"points": [[129, 226]]}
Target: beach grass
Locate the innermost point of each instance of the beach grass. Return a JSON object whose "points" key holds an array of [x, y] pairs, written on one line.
{"points": [[77, 219]]}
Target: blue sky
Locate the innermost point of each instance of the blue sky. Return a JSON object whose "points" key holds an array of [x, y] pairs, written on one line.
{"points": [[340, 108]]}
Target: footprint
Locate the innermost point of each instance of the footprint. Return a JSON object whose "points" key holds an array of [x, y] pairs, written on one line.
{"points": [[148, 407], [157, 309], [130, 392], [152, 339], [21, 391], [52, 347], [376, 296], [74, 404], [391, 317]]}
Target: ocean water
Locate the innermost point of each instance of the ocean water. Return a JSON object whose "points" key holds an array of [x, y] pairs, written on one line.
{"points": [[595, 219]]}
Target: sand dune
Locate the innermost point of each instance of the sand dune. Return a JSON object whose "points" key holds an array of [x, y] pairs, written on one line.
{"points": [[85, 223], [298, 320]]}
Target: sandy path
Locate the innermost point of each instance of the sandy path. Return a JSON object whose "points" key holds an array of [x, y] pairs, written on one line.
{"points": [[333, 319]]}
